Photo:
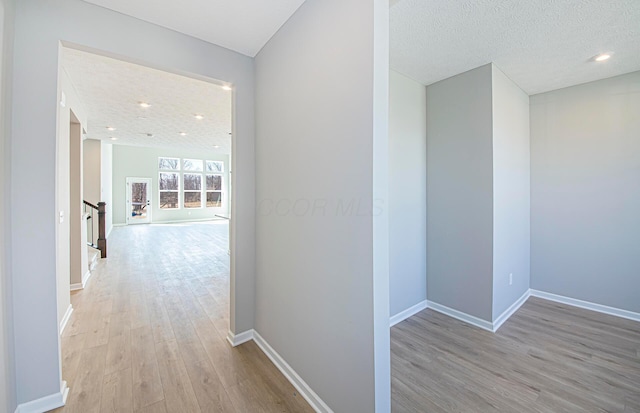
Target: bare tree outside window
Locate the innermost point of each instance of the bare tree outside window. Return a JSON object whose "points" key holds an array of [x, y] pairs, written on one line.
{"points": [[169, 186], [192, 165], [171, 164], [192, 190], [215, 166]]}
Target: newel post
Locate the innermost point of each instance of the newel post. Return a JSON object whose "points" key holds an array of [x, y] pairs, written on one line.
{"points": [[102, 229]]}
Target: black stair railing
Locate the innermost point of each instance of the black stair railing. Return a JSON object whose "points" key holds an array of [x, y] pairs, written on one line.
{"points": [[91, 211]]}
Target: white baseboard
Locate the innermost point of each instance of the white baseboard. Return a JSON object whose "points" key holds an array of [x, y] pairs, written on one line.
{"points": [[46, 403], [303, 388], [630, 315], [241, 338], [473, 320], [117, 225], [510, 311], [411, 311], [183, 221], [65, 318], [80, 286], [109, 232]]}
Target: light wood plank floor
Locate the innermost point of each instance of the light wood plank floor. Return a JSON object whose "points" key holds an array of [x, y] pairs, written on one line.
{"points": [[547, 357], [148, 332]]}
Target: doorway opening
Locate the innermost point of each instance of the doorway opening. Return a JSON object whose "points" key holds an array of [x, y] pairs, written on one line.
{"points": [[157, 151]]}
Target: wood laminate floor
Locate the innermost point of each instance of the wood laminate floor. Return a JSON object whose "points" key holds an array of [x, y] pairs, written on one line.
{"points": [[547, 357], [147, 334]]}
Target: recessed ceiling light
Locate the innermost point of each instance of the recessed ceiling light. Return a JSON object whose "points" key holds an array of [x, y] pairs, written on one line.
{"points": [[114, 139], [602, 57], [183, 133], [111, 128], [226, 87], [216, 146], [199, 117], [142, 117], [145, 104]]}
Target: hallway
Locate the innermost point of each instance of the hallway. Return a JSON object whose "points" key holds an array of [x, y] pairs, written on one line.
{"points": [[148, 333]]}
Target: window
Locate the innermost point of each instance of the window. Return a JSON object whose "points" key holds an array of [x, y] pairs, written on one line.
{"points": [[215, 166], [192, 190], [192, 165], [169, 188], [169, 164], [214, 190]]}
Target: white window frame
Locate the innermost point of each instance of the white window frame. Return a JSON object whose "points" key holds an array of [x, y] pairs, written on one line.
{"points": [[221, 190], [195, 161], [169, 157], [221, 171], [160, 191], [185, 191]]}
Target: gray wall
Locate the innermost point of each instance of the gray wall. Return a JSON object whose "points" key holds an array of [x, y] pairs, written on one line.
{"points": [[142, 162], [106, 182], [7, 367], [460, 193], [40, 26], [407, 193], [511, 218], [585, 192], [317, 285]]}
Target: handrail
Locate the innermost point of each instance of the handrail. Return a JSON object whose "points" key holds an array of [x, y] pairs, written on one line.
{"points": [[89, 204], [102, 233]]}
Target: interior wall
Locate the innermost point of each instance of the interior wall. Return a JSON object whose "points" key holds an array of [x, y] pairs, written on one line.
{"points": [[585, 192], [92, 170], [141, 162], [67, 102], [76, 220], [106, 178], [460, 193], [40, 26], [407, 193], [92, 180], [7, 365], [317, 282], [511, 192]]}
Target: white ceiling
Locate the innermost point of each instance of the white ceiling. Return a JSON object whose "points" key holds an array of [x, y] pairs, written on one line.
{"points": [[241, 25], [541, 45], [111, 91]]}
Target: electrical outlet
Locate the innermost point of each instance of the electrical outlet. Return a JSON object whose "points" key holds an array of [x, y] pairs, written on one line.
{"points": [[511, 279]]}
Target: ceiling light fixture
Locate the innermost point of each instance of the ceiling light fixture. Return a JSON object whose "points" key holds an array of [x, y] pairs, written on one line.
{"points": [[111, 128], [602, 57], [142, 117], [226, 87], [183, 133], [199, 117], [113, 139], [145, 105], [216, 146]]}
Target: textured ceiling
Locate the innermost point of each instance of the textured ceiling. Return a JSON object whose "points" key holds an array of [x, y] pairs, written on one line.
{"points": [[241, 25], [111, 91], [540, 44]]}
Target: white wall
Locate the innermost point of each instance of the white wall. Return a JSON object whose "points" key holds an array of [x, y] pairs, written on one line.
{"points": [[40, 26], [106, 178], [142, 162], [460, 193], [62, 187], [7, 365], [321, 296], [407, 193], [511, 178], [585, 192]]}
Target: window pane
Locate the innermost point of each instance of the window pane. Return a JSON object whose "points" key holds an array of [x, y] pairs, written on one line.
{"points": [[192, 165], [168, 200], [192, 199], [192, 182], [168, 181], [214, 182], [169, 163], [215, 166], [214, 199]]}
